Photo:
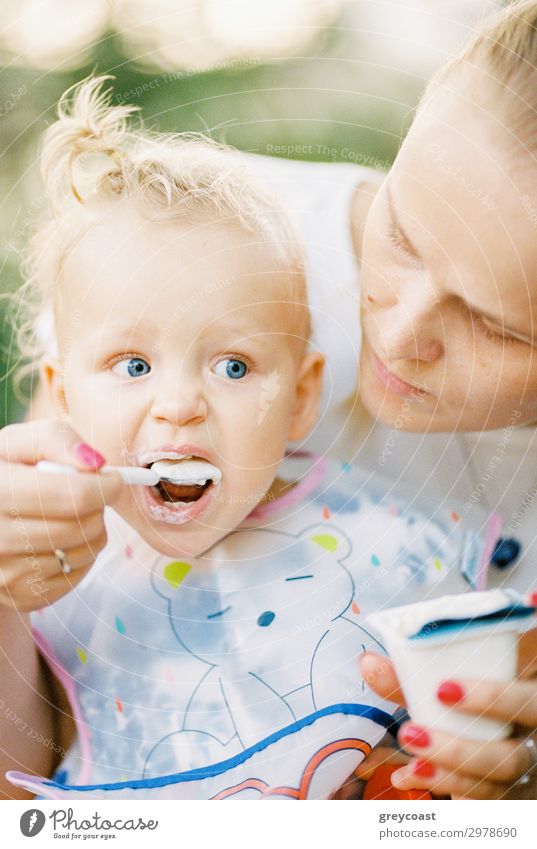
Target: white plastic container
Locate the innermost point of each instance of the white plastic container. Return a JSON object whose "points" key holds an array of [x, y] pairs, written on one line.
{"points": [[448, 638]]}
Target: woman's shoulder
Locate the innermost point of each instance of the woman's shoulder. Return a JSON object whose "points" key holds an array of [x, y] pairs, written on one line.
{"points": [[328, 200], [302, 181]]}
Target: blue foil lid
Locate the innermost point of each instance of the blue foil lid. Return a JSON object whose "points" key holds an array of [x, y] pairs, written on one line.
{"points": [[441, 626]]}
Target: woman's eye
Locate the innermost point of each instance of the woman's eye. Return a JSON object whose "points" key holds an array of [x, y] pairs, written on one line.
{"points": [[234, 369], [398, 243], [495, 333], [131, 367]]}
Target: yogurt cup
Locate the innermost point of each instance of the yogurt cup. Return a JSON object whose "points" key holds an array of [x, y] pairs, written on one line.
{"points": [[472, 635]]}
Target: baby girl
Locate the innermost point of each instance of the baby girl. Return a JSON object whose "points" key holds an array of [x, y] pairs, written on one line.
{"points": [[212, 649]]}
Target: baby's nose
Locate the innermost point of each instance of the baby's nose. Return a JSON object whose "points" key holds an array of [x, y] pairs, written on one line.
{"points": [[180, 406]]}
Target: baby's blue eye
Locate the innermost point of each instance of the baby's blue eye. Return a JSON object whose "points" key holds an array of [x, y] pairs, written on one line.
{"points": [[132, 367], [235, 369]]}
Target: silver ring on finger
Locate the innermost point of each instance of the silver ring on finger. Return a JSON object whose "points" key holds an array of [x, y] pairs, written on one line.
{"points": [[530, 745], [61, 557]]}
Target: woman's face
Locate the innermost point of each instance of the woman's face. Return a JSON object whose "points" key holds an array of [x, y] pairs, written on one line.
{"points": [[449, 286]]}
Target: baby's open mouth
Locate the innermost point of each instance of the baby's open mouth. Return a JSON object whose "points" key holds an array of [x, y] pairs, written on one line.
{"points": [[173, 493], [184, 481]]}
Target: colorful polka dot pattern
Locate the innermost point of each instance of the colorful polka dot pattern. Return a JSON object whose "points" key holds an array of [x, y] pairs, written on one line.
{"points": [[82, 656], [266, 619], [120, 627], [327, 541], [176, 572]]}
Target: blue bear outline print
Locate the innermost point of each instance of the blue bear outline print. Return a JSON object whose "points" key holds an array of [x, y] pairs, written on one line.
{"points": [[240, 623]]}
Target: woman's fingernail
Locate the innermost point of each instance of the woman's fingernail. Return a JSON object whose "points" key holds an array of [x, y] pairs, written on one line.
{"points": [[89, 456], [533, 599], [424, 769], [397, 776], [450, 693], [415, 735]]}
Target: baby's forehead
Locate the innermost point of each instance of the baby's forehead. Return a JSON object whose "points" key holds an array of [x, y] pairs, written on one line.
{"points": [[180, 270]]}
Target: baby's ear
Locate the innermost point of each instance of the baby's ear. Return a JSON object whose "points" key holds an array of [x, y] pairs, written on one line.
{"points": [[309, 386], [329, 537], [51, 374]]}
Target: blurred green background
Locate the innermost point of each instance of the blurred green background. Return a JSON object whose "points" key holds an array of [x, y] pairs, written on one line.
{"points": [[317, 79]]}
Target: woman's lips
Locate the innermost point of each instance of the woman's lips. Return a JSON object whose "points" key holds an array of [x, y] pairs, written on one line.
{"points": [[393, 383]]}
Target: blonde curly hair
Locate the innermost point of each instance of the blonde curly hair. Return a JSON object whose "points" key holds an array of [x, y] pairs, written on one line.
{"points": [[92, 152]]}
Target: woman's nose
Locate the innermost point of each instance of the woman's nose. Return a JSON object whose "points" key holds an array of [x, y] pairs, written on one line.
{"points": [[180, 404], [411, 330]]}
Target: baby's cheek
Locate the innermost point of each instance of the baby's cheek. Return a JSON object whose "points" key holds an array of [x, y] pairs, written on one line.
{"points": [[269, 419], [99, 418], [254, 447]]}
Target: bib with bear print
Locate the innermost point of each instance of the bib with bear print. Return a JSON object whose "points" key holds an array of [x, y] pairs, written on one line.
{"points": [[235, 674]]}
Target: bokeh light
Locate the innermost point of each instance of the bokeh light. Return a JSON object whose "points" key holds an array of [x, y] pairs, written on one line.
{"points": [[191, 34], [329, 80], [50, 33]]}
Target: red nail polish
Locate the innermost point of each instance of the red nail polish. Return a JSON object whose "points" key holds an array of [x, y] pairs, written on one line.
{"points": [[532, 600], [87, 455], [450, 693], [423, 768], [415, 735]]}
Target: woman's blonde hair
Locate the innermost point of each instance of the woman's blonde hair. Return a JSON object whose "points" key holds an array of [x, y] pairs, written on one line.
{"points": [[505, 46], [92, 152]]}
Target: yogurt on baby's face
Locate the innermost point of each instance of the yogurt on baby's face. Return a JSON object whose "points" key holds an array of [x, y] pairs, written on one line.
{"points": [[188, 471]]}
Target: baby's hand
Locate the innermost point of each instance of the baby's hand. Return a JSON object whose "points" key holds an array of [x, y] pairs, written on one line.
{"points": [[41, 512]]}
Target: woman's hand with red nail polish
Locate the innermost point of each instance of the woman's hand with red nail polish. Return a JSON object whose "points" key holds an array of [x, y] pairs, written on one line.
{"points": [[88, 456], [414, 736], [379, 672], [424, 769], [450, 693], [467, 768], [421, 774], [41, 511]]}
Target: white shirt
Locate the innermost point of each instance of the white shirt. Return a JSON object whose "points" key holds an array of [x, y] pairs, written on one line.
{"points": [[317, 196], [495, 469]]}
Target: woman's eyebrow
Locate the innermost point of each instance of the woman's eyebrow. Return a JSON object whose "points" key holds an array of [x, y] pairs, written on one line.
{"points": [[396, 223]]}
